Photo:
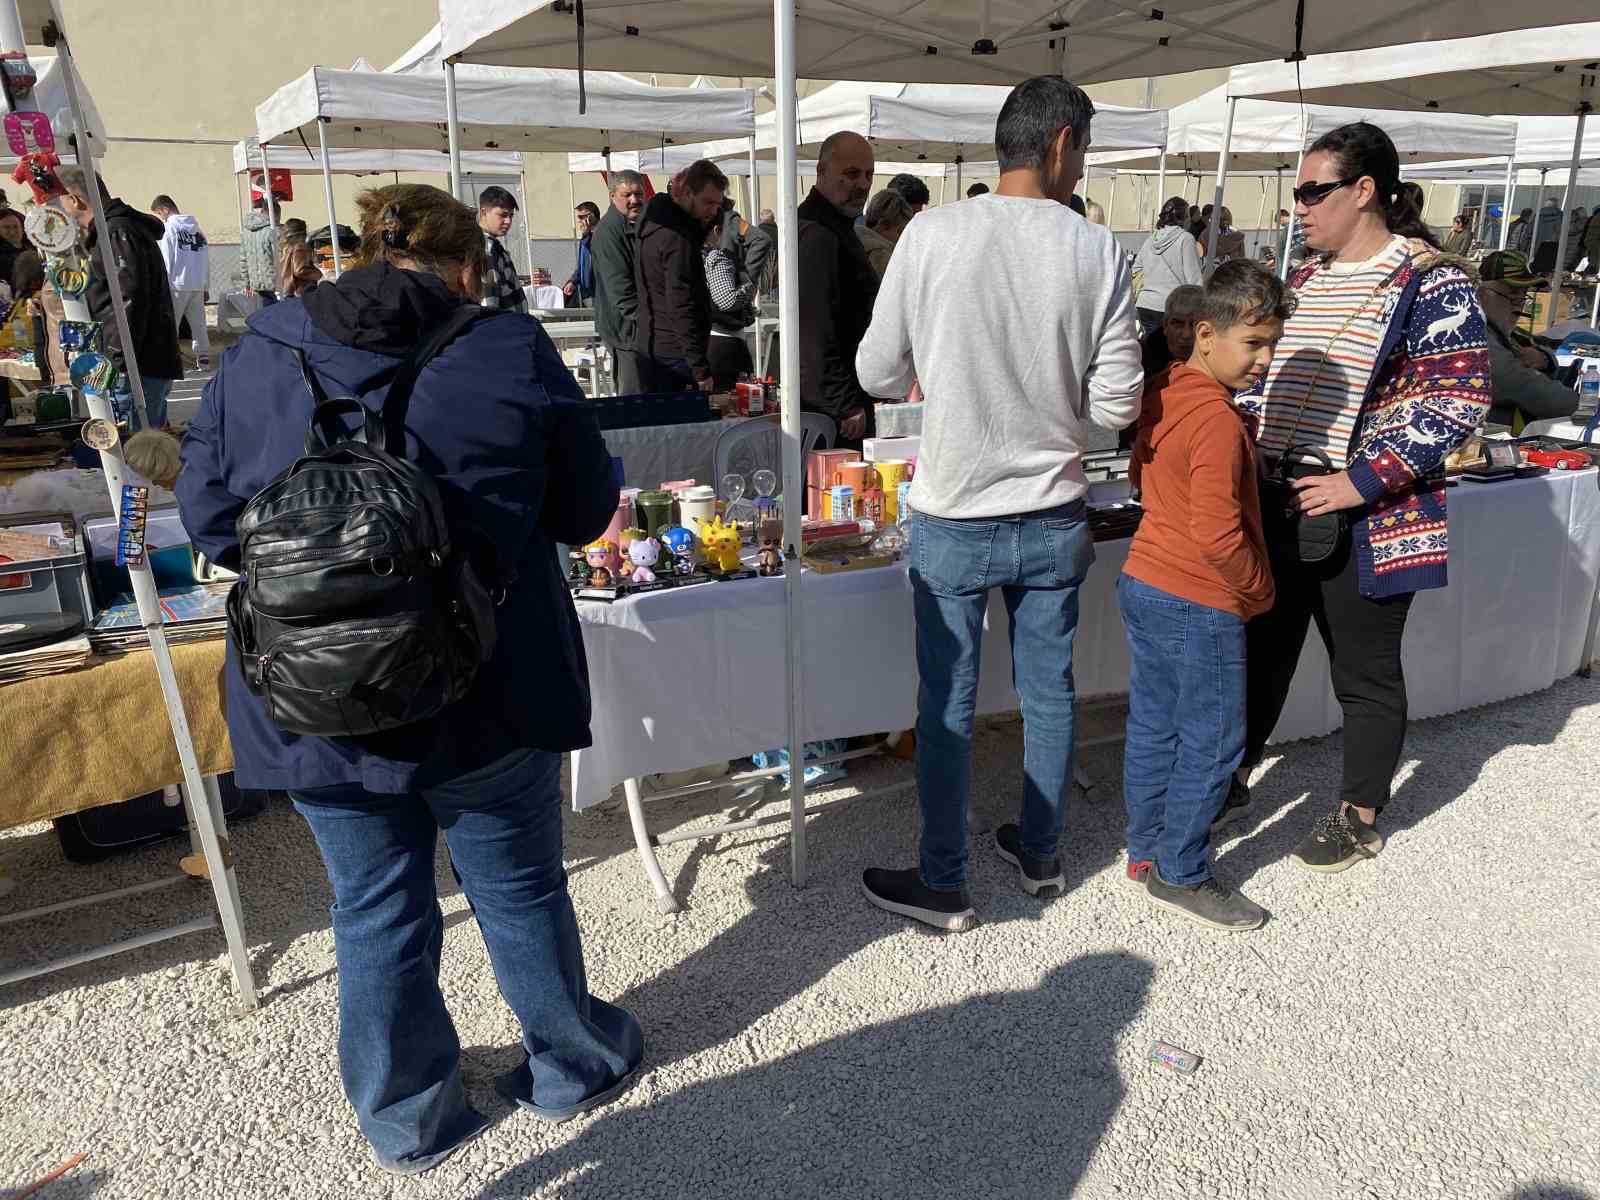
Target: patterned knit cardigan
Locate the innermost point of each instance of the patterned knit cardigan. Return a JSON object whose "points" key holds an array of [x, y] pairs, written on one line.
{"points": [[1430, 392]]}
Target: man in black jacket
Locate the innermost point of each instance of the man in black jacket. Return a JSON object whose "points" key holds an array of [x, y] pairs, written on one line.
{"points": [[674, 302], [837, 287], [616, 294], [136, 249]]}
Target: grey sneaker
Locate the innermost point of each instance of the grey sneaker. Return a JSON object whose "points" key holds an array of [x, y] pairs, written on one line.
{"points": [[1338, 841], [1235, 806], [1040, 877], [1207, 902]]}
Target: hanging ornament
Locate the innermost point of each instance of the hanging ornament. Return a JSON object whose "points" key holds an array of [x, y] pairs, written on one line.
{"points": [[29, 133], [38, 171], [80, 335], [19, 72], [51, 230], [69, 276], [92, 372]]}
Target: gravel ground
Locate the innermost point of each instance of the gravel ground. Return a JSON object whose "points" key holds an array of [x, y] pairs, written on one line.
{"points": [[1412, 1028]]}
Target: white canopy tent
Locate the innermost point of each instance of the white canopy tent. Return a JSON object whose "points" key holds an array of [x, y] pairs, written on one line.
{"points": [[954, 41], [1534, 72], [940, 41]]}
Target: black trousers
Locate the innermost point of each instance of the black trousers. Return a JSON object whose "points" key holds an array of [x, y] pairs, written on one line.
{"points": [[1363, 638], [625, 370], [729, 358]]}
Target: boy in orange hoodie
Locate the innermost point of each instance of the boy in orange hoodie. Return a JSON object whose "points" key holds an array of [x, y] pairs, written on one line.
{"points": [[1196, 573]]}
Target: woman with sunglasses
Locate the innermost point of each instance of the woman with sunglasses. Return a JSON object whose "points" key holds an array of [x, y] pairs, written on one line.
{"points": [[1382, 371]]}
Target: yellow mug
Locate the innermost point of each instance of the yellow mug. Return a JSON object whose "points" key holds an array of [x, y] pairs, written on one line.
{"points": [[891, 473]]}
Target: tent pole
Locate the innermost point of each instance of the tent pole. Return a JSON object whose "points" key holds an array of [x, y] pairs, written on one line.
{"points": [[958, 177], [783, 36], [944, 186], [1161, 183], [1288, 231], [527, 222], [1261, 212], [1222, 177], [1566, 212], [1111, 201], [327, 194], [1538, 207], [754, 217], [1511, 191], [146, 598], [452, 127], [266, 187]]}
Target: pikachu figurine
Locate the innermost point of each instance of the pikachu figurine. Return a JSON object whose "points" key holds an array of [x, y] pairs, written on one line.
{"points": [[720, 544]]}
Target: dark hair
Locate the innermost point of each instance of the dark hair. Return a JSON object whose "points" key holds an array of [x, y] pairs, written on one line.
{"points": [[701, 174], [1034, 115], [496, 197], [1362, 150], [977, 189], [590, 207], [631, 178], [1075, 203], [1240, 292], [912, 190], [295, 227], [419, 227], [164, 201], [1174, 212]]}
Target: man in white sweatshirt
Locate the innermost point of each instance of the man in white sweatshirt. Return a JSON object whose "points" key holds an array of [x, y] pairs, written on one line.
{"points": [[188, 257], [1016, 317]]}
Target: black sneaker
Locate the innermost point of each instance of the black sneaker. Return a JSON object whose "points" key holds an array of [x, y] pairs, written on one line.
{"points": [[903, 892], [1340, 840], [1235, 806], [1040, 876], [1209, 903]]}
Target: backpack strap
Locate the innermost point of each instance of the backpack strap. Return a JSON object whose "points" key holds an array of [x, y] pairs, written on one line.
{"points": [[385, 429], [398, 400]]}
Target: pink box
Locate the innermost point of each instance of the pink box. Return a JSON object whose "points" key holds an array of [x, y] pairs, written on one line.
{"points": [[821, 464]]}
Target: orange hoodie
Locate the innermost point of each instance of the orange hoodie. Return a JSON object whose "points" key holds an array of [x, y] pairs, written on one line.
{"points": [[1201, 534]]}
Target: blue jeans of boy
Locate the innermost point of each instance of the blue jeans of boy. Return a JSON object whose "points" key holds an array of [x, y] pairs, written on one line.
{"points": [[398, 1052], [155, 402], [1038, 561], [1186, 725]]}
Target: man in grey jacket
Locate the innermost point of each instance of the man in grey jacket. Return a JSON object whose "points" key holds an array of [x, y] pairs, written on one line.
{"points": [[1525, 388], [1030, 344], [616, 293], [259, 251]]}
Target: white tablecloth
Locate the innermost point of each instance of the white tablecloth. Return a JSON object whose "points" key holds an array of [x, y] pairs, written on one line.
{"points": [[683, 678], [544, 295], [655, 454], [1566, 429]]}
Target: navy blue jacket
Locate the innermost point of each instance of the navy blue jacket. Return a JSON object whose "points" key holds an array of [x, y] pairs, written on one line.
{"points": [[498, 420]]}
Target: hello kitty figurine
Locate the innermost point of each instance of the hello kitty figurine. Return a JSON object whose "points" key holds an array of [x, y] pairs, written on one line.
{"points": [[643, 553]]}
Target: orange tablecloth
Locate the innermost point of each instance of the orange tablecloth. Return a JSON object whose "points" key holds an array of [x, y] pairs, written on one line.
{"points": [[99, 734]]}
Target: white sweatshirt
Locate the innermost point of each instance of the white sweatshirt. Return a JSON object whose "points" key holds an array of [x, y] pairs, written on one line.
{"points": [[185, 251], [1016, 316]]}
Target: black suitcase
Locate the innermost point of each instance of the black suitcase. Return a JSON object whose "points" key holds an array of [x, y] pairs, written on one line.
{"points": [[99, 833]]}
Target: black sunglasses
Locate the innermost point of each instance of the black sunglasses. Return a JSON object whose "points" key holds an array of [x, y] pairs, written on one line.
{"points": [[1313, 194]]}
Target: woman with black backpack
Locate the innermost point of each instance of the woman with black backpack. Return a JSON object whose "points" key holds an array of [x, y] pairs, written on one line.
{"points": [[488, 685]]}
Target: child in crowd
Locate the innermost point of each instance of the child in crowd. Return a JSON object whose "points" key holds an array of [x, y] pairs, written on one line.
{"points": [[1196, 573]]}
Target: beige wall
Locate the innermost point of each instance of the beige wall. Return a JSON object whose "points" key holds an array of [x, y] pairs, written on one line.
{"points": [[196, 69]]}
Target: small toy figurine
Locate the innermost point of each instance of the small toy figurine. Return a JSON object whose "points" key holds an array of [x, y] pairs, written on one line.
{"points": [[580, 571], [721, 543], [680, 545], [625, 539], [771, 562], [598, 556], [643, 553]]}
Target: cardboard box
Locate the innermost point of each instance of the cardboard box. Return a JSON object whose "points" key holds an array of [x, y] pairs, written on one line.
{"points": [[880, 448], [820, 465]]}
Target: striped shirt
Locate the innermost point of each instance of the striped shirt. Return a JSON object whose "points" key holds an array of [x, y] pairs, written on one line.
{"points": [[1333, 391]]}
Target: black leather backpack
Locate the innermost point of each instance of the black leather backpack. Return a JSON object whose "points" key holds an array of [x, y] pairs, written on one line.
{"points": [[356, 610]]}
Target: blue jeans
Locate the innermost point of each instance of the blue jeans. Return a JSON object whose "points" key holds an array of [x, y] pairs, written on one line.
{"points": [[1186, 725], [1038, 560], [155, 402], [398, 1052]]}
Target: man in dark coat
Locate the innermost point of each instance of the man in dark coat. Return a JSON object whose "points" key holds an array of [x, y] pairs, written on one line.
{"points": [[136, 248], [616, 292], [674, 302], [837, 287]]}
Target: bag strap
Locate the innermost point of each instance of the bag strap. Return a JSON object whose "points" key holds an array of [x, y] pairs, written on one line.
{"points": [[398, 400], [385, 429], [1304, 452]]}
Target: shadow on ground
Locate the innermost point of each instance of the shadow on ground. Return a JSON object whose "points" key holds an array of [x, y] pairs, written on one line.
{"points": [[1004, 1094]]}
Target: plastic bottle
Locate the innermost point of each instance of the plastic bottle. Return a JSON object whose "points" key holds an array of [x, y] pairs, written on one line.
{"points": [[1589, 387]]}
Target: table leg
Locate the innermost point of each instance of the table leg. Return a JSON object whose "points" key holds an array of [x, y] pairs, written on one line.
{"points": [[665, 901], [204, 830]]}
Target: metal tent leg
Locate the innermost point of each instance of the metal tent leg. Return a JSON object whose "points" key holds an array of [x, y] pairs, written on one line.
{"points": [[225, 888], [665, 901]]}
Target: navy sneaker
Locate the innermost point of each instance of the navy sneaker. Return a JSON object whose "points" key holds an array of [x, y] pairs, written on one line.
{"points": [[1235, 806], [903, 892], [1040, 876], [1339, 840]]}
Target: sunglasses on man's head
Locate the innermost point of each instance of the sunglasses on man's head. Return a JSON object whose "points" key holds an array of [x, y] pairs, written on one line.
{"points": [[1313, 194]]}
